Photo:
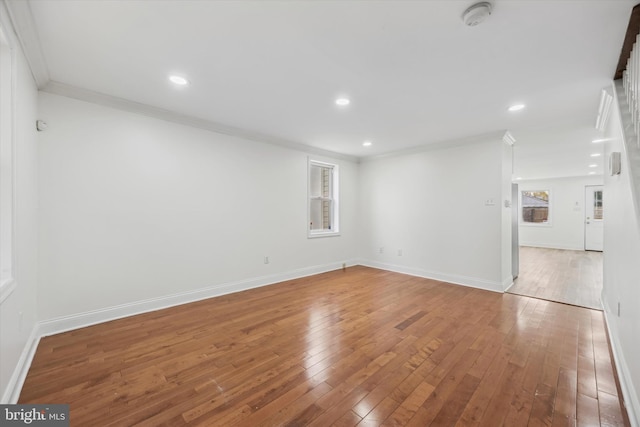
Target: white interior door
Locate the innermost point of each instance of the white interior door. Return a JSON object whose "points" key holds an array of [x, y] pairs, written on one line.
{"points": [[593, 220]]}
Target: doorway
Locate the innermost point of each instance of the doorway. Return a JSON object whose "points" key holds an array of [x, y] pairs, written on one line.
{"points": [[567, 276], [570, 277], [593, 212]]}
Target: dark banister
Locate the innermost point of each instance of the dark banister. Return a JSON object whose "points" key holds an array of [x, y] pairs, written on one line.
{"points": [[633, 29]]}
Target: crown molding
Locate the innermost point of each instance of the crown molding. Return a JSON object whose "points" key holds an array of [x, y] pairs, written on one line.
{"points": [[86, 95], [458, 142], [25, 30]]}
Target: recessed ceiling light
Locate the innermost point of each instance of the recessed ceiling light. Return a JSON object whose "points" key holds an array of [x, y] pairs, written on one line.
{"points": [[593, 166], [516, 107], [343, 101], [595, 155], [179, 80], [367, 144], [595, 141], [519, 178]]}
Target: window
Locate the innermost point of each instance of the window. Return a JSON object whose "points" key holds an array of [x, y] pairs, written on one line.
{"points": [[7, 283], [323, 199], [536, 207], [597, 204]]}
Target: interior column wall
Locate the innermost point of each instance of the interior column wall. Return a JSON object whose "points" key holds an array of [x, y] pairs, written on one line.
{"points": [[438, 213]]}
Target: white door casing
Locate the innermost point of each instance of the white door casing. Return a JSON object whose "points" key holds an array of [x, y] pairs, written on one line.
{"points": [[593, 218]]}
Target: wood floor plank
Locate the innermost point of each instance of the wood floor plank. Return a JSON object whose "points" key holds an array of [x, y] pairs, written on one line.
{"points": [[359, 347]]}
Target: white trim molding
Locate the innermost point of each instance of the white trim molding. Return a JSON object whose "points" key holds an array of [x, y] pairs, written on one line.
{"points": [[438, 145], [8, 191], [14, 387], [123, 104], [552, 246], [507, 283], [67, 323], [84, 319], [88, 318], [629, 393], [25, 29], [471, 282]]}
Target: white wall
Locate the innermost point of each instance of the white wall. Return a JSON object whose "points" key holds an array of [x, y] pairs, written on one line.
{"points": [[621, 263], [566, 230], [431, 206], [15, 333], [134, 208]]}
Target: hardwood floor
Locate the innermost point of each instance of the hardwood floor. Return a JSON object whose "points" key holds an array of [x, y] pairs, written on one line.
{"points": [[570, 277], [359, 347]]}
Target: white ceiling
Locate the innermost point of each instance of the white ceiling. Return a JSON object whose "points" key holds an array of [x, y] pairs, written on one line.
{"points": [[414, 72]]}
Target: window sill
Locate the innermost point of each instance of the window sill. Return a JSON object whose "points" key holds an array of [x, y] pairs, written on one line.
{"points": [[322, 234], [536, 224]]}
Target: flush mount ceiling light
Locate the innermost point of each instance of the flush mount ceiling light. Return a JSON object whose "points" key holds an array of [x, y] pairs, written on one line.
{"points": [[343, 102], [593, 166], [179, 80], [595, 141], [476, 13], [367, 144], [595, 155], [516, 107]]}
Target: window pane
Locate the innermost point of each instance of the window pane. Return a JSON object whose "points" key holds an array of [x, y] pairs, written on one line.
{"points": [[535, 206], [320, 215], [320, 181], [597, 205]]}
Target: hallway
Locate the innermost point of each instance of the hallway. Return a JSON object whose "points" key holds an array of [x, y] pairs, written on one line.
{"points": [[570, 277]]}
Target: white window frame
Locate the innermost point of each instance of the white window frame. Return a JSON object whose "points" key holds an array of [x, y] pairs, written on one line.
{"points": [[7, 161], [549, 213], [334, 197]]}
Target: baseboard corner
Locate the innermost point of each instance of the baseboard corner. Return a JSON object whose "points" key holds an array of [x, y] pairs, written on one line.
{"points": [[14, 387]]}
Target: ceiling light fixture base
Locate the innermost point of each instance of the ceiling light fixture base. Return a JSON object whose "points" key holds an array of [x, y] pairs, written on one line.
{"points": [[477, 13]]}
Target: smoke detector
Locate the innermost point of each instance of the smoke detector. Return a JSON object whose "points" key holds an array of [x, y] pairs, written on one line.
{"points": [[476, 13]]}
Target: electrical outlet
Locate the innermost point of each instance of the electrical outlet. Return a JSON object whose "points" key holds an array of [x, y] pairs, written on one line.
{"points": [[266, 260], [618, 308], [399, 252], [381, 250]]}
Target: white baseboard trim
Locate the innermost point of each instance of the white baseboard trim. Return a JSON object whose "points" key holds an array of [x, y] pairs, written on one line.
{"points": [[552, 246], [508, 283], [629, 394], [443, 277], [14, 387], [81, 320]]}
